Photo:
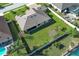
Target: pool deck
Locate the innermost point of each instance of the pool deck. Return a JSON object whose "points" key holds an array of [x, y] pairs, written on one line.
{"points": [[68, 51]]}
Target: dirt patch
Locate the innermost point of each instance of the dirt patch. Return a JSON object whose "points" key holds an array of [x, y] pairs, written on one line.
{"points": [[52, 33]]}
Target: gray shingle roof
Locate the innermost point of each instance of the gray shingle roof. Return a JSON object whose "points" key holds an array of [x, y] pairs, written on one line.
{"points": [[32, 17], [62, 6], [36, 19], [4, 30], [4, 26]]}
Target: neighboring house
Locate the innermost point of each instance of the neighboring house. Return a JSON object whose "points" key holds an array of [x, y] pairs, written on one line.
{"points": [[72, 8], [5, 35], [33, 18], [62, 6]]}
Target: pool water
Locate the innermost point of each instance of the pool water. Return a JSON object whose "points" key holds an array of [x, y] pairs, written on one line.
{"points": [[75, 52], [2, 51]]}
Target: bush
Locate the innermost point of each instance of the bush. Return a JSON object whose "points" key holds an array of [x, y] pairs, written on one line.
{"points": [[75, 33], [58, 45], [63, 29]]}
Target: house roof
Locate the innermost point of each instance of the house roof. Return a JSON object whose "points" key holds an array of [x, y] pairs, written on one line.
{"points": [[32, 17], [4, 26], [4, 30], [62, 6]]}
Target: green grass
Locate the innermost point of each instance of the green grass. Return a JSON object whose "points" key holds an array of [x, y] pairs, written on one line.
{"points": [[60, 22], [21, 10], [57, 51], [42, 36], [2, 4], [66, 41], [10, 15], [5, 4], [20, 52]]}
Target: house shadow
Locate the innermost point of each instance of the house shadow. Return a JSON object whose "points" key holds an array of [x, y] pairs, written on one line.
{"points": [[32, 31]]}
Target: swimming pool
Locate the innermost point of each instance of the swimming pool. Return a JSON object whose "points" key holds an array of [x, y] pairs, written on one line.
{"points": [[75, 52], [3, 51]]}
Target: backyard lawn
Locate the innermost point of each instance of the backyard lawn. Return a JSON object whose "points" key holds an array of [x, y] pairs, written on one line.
{"points": [[44, 35], [55, 51], [66, 41]]}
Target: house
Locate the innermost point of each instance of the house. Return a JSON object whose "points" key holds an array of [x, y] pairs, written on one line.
{"points": [[62, 6], [5, 35], [72, 8], [34, 18]]}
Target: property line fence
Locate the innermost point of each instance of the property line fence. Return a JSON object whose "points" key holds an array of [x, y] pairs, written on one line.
{"points": [[48, 44]]}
